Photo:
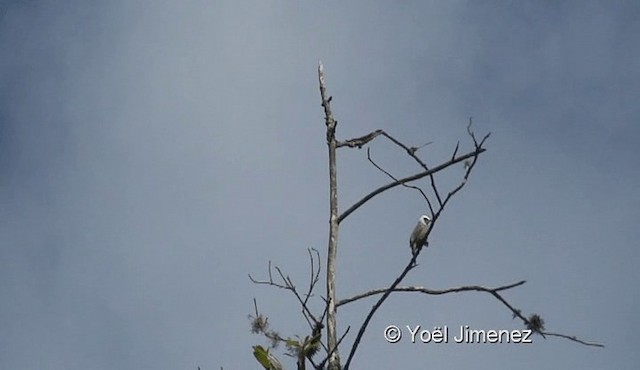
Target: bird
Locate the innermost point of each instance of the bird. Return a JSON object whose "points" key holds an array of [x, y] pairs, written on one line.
{"points": [[419, 234]]}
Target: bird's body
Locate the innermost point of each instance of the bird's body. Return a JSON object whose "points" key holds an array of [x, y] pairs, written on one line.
{"points": [[419, 234]]}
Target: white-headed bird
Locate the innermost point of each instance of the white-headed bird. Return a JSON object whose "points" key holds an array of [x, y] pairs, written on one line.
{"points": [[419, 234]]}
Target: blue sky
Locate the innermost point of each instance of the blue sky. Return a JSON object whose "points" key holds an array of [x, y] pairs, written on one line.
{"points": [[152, 154]]}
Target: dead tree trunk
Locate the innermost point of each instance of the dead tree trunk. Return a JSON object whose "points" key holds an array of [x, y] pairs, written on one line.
{"points": [[332, 334]]}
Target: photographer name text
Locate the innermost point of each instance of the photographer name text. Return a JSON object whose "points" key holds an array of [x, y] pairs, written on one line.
{"points": [[464, 334]]}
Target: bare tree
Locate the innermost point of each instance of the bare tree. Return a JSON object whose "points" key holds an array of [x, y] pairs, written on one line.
{"points": [[436, 199]]}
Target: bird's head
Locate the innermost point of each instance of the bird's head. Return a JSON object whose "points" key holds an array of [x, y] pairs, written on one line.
{"points": [[425, 219]]}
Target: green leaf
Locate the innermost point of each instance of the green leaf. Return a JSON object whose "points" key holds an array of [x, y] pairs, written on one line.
{"points": [[262, 356], [266, 359]]}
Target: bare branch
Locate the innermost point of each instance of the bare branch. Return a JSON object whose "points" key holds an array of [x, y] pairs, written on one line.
{"points": [[470, 132], [321, 364], [313, 272], [359, 141], [287, 284], [407, 179], [412, 263], [394, 178], [455, 151], [493, 291], [573, 338], [428, 291], [376, 306], [330, 122], [410, 151], [255, 305]]}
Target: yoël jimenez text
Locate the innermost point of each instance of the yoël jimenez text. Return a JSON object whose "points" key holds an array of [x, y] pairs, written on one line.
{"points": [[467, 335]]}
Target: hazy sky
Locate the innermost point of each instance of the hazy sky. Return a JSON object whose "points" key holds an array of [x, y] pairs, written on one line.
{"points": [[153, 153]]}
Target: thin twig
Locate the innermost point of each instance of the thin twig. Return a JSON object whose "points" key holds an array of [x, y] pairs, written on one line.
{"points": [[393, 177], [573, 338]]}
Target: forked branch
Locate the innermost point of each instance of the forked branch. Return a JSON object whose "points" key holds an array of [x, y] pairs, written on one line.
{"points": [[472, 156], [286, 283], [408, 179], [528, 322]]}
